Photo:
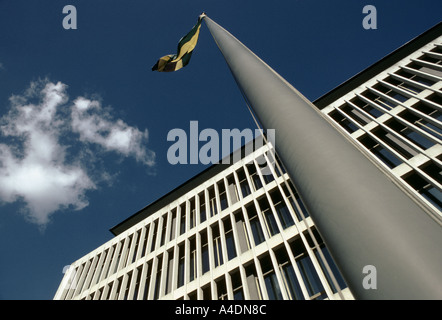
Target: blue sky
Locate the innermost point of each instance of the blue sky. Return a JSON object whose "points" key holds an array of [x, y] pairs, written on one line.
{"points": [[84, 120]]}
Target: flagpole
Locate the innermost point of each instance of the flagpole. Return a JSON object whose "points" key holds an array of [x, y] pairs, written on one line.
{"points": [[363, 217]]}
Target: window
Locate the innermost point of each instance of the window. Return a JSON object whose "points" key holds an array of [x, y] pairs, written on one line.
{"points": [[217, 247], [164, 229], [169, 271], [255, 225], [329, 260], [288, 275], [425, 189], [285, 218], [254, 176], [192, 212], [138, 271], [137, 244], [205, 252], [173, 225], [221, 288], [230, 242], [154, 236], [207, 294], [264, 167], [180, 265], [157, 294], [182, 218], [343, 121], [270, 279], [422, 123], [298, 200], [231, 187], [269, 218], [202, 207], [394, 143], [379, 151], [244, 185], [127, 285], [366, 107], [252, 282], [237, 286], [307, 270], [409, 134], [222, 195], [193, 262], [241, 229], [147, 280], [212, 202]]}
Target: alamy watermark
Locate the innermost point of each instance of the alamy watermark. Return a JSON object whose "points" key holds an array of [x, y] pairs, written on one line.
{"points": [[207, 146], [370, 20], [370, 280]]}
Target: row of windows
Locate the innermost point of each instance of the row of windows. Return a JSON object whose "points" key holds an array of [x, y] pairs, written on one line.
{"points": [[407, 133], [288, 271]]}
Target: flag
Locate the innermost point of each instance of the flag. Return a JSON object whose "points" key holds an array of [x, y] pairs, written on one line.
{"points": [[174, 62]]}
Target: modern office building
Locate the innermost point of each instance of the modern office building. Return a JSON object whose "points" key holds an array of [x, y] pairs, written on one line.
{"points": [[392, 110], [232, 232]]}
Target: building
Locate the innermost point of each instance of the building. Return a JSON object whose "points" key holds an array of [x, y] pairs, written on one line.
{"points": [[392, 110], [232, 232]]}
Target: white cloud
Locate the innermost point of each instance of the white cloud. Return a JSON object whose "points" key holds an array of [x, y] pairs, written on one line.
{"points": [[97, 126], [34, 165]]}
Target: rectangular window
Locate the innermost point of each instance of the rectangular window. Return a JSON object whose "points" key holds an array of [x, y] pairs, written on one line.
{"points": [[193, 262], [147, 280], [244, 185], [169, 271], [269, 218], [343, 121], [237, 287], [154, 236], [241, 229], [204, 252], [253, 283], [192, 217], [285, 218], [288, 274], [231, 187], [163, 232], [217, 248], [307, 270], [270, 279], [424, 188], [182, 218], [202, 199], [212, 202], [255, 225], [379, 151], [254, 176], [173, 225], [207, 292], [157, 293], [221, 288], [181, 265], [137, 245], [222, 195], [139, 271], [230, 241]]}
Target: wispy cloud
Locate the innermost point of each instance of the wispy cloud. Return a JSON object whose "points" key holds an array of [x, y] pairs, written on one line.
{"points": [[97, 126], [36, 163]]}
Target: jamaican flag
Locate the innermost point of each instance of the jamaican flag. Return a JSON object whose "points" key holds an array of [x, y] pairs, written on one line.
{"points": [[174, 62]]}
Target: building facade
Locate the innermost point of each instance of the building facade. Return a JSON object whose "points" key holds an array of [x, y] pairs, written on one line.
{"points": [[392, 111], [232, 232], [237, 232]]}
